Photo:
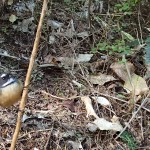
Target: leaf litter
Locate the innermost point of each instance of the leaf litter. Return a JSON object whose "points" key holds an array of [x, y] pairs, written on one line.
{"points": [[72, 113]]}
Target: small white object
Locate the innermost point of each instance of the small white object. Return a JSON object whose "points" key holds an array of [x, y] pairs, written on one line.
{"points": [[102, 100], [103, 124]]}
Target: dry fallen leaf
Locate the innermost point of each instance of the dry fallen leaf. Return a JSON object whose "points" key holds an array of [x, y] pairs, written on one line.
{"points": [[133, 84], [89, 107], [70, 104], [75, 145], [121, 70], [100, 79], [67, 62], [91, 127], [79, 85], [54, 24], [103, 124], [49, 59], [102, 100], [139, 85]]}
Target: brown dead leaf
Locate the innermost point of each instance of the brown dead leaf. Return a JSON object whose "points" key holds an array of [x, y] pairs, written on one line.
{"points": [[100, 79], [89, 108], [50, 59], [121, 70], [137, 85], [70, 104]]}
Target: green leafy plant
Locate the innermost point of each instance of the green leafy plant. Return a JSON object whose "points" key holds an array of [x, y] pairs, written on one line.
{"points": [[118, 46], [127, 137], [125, 6], [71, 5], [67, 1]]}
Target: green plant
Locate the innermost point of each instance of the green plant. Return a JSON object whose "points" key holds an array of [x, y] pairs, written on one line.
{"points": [[127, 137], [118, 46], [4, 29], [67, 1], [71, 5], [125, 6]]}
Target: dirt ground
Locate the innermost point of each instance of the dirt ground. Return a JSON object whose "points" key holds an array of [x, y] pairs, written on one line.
{"points": [[55, 117]]}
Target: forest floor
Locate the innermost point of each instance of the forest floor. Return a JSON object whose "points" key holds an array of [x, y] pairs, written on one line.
{"points": [[76, 64]]}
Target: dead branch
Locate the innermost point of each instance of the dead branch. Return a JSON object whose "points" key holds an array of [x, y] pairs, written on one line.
{"points": [[28, 76]]}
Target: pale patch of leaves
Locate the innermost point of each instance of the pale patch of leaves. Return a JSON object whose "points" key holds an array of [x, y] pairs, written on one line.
{"points": [[121, 71], [100, 123], [89, 108], [133, 83], [103, 124], [67, 62], [137, 85], [54, 24], [100, 78]]}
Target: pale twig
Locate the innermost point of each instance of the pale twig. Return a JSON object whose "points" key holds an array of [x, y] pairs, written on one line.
{"points": [[133, 116], [28, 76], [132, 100], [106, 95], [61, 98]]}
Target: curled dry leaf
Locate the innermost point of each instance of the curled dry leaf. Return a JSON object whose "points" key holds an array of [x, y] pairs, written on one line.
{"points": [[137, 85], [102, 100], [89, 107], [67, 62], [54, 24], [133, 84], [101, 79], [103, 124], [26, 23], [121, 70], [49, 59]]}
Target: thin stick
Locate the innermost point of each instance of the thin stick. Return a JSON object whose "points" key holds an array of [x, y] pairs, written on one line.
{"points": [[28, 76], [133, 116], [106, 95]]}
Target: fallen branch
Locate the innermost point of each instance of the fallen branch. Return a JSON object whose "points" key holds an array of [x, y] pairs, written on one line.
{"points": [[101, 94], [28, 76], [133, 116]]}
